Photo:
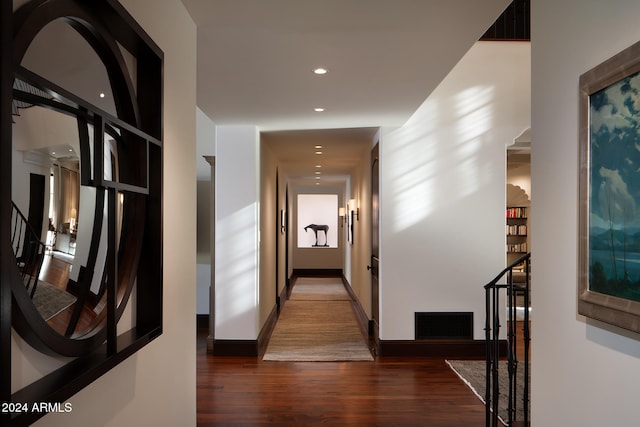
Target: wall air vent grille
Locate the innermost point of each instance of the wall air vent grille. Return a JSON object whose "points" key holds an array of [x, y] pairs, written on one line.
{"points": [[444, 326]]}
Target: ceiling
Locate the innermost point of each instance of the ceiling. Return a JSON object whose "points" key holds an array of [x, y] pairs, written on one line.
{"points": [[384, 58]]}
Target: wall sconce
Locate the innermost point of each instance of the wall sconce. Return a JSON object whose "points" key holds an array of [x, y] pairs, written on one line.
{"points": [[354, 208], [343, 216]]}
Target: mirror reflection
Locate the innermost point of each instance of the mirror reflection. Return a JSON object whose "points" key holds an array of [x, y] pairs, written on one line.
{"points": [[57, 251], [59, 221]]}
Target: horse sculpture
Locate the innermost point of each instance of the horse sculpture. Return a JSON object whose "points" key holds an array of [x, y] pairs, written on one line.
{"points": [[316, 228]]}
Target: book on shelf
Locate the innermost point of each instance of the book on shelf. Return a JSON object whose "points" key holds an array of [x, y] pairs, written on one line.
{"points": [[516, 230], [517, 212], [517, 247]]}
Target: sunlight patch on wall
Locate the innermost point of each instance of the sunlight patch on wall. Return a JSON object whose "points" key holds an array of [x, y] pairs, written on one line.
{"points": [[474, 108], [236, 273], [411, 167]]}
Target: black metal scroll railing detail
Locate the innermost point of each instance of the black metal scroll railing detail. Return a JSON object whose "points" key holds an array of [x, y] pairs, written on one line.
{"points": [[27, 248], [518, 283]]}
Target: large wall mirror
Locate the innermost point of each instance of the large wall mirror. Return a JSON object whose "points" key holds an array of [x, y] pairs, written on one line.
{"points": [[84, 217]]}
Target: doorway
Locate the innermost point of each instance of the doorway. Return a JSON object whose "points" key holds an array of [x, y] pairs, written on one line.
{"points": [[518, 230], [375, 242]]}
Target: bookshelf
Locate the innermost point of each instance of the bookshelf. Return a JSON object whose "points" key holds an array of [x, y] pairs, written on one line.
{"points": [[517, 232]]}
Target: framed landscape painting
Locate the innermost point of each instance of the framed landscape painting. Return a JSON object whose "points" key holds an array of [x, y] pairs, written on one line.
{"points": [[609, 246]]}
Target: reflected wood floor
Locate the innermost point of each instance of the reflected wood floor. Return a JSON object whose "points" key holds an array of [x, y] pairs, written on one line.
{"points": [[412, 391], [55, 270]]}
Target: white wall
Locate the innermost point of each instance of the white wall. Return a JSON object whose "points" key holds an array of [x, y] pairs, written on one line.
{"points": [[584, 373], [157, 385], [237, 232], [442, 192]]}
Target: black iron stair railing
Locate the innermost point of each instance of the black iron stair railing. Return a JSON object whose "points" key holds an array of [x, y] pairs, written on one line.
{"points": [[21, 86], [495, 310], [29, 251]]}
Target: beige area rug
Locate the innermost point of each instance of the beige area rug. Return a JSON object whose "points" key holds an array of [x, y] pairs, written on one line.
{"points": [[50, 300], [473, 374], [317, 324], [319, 289]]}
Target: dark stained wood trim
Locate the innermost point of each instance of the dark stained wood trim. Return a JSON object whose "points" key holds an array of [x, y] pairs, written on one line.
{"points": [[358, 310], [6, 251], [453, 349], [243, 348], [202, 321], [316, 272], [284, 296], [267, 330], [235, 348]]}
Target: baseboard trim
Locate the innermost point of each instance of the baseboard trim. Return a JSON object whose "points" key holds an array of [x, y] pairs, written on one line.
{"points": [[249, 348], [202, 321], [235, 348], [384, 348], [267, 330], [436, 348], [361, 315], [316, 272]]}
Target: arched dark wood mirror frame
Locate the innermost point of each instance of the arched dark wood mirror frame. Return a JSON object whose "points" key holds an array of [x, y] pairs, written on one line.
{"points": [[133, 255]]}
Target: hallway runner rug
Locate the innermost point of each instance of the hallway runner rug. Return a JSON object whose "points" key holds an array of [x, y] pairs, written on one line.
{"points": [[319, 289], [317, 324]]}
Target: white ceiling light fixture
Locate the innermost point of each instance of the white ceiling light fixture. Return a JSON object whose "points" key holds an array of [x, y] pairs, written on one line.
{"points": [[320, 71], [318, 109]]}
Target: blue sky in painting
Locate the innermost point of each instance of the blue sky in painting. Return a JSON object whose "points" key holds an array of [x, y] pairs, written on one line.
{"points": [[615, 149]]}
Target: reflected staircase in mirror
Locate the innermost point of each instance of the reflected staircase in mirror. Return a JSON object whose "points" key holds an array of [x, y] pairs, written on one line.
{"points": [[29, 251], [516, 290], [24, 92]]}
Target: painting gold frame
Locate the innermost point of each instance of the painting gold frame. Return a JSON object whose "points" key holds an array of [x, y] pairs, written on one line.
{"points": [[608, 290]]}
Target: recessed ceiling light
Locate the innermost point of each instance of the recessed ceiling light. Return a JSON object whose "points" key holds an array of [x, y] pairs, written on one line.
{"points": [[320, 71], [101, 94], [317, 177], [318, 152], [318, 166], [53, 152], [318, 146], [318, 172], [318, 110]]}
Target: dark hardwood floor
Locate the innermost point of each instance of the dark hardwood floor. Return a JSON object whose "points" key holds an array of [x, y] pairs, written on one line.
{"points": [[55, 270], [412, 391]]}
